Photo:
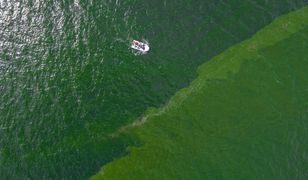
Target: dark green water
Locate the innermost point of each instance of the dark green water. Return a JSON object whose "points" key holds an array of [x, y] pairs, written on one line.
{"points": [[68, 78]]}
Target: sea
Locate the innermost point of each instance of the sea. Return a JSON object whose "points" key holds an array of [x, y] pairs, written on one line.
{"points": [[69, 79]]}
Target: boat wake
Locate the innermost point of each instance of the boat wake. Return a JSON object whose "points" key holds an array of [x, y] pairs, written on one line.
{"points": [[2, 64]]}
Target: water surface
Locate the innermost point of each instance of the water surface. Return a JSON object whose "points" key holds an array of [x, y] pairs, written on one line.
{"points": [[68, 78]]}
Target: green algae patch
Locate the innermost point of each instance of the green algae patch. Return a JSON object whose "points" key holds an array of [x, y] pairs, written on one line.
{"points": [[244, 117]]}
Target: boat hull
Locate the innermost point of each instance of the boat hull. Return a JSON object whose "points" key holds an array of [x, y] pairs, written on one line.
{"points": [[140, 46]]}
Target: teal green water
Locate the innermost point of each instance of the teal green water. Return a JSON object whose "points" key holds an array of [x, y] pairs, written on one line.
{"points": [[68, 78]]}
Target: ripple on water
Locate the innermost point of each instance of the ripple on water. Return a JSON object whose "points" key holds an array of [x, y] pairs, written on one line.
{"points": [[68, 77]]}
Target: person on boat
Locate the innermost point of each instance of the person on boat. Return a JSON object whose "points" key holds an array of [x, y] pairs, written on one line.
{"points": [[139, 45]]}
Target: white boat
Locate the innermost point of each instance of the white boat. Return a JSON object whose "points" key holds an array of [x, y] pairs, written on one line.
{"points": [[140, 46]]}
